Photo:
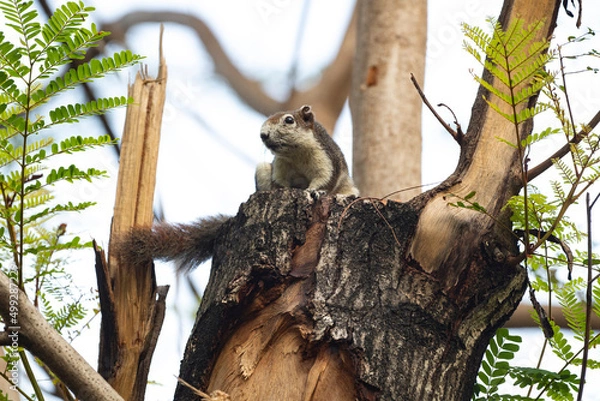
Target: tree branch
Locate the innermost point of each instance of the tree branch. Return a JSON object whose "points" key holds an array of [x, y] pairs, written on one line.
{"points": [[546, 164], [329, 95], [327, 98], [457, 136], [486, 166], [36, 334], [249, 90]]}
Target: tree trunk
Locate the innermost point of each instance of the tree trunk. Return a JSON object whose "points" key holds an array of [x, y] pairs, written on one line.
{"points": [[386, 109], [320, 298]]}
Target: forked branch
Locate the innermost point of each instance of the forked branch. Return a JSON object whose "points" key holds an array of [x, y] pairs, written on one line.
{"points": [[457, 135]]}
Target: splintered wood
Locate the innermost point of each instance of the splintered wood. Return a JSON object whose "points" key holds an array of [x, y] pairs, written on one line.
{"points": [[132, 304], [275, 340]]}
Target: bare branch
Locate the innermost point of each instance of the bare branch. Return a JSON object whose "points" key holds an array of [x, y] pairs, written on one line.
{"points": [[249, 90], [327, 98], [36, 334], [458, 127], [546, 164], [216, 395], [90, 94], [457, 137]]}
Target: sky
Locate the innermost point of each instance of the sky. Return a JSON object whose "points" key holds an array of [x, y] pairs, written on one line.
{"points": [[211, 143]]}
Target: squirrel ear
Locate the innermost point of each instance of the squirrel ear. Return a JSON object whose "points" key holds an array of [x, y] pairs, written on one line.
{"points": [[306, 113]]}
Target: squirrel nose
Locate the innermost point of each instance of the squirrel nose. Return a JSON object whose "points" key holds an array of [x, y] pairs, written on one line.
{"points": [[264, 135]]}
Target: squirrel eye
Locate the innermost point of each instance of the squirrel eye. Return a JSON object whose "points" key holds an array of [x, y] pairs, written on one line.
{"points": [[289, 120]]}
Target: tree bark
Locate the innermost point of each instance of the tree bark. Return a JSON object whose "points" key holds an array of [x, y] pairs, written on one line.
{"points": [[328, 294], [320, 298], [26, 327], [386, 109]]}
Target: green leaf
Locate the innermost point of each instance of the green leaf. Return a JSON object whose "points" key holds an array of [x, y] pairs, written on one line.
{"points": [[470, 195], [73, 112], [79, 143], [32, 57], [86, 73], [516, 61], [22, 16], [494, 367], [573, 307], [73, 173]]}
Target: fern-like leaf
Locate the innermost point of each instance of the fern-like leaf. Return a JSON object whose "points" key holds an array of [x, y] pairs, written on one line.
{"points": [[73, 112], [495, 366], [79, 143], [62, 45], [11, 93], [63, 23], [37, 199], [559, 386], [573, 307], [514, 59], [559, 191], [596, 296], [73, 48], [73, 173], [87, 72], [51, 211], [22, 17], [565, 171]]}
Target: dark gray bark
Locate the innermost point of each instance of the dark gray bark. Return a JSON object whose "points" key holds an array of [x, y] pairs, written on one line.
{"points": [[362, 295]]}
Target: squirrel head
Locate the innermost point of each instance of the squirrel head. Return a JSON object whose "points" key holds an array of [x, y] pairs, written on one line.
{"points": [[289, 131]]}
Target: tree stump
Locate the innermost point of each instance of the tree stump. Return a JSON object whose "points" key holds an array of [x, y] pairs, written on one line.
{"points": [[318, 298]]}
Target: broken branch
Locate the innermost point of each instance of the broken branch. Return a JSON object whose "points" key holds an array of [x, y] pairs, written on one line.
{"points": [[457, 136]]}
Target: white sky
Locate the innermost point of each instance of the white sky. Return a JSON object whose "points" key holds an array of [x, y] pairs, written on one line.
{"points": [[204, 171]]}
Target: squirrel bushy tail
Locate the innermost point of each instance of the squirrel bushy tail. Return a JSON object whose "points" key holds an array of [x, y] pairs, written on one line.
{"points": [[187, 245]]}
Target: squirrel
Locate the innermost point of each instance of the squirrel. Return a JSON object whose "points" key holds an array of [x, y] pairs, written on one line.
{"points": [[306, 157]]}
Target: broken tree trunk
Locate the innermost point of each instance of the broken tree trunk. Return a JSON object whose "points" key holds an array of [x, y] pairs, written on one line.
{"points": [[309, 300], [320, 298], [132, 305]]}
